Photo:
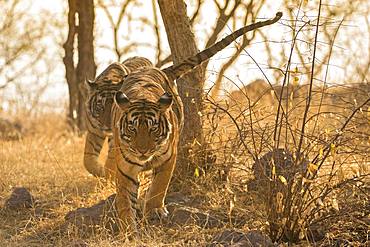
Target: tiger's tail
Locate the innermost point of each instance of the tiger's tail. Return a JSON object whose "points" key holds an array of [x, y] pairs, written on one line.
{"points": [[175, 71]]}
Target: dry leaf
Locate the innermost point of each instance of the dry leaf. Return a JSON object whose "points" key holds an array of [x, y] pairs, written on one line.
{"points": [[334, 204], [295, 81], [312, 168], [279, 202], [283, 180], [321, 153], [332, 149], [196, 172]]}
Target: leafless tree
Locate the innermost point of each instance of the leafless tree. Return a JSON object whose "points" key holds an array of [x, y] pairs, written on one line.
{"points": [[337, 22], [183, 45], [26, 62], [16, 43], [120, 47], [85, 69]]}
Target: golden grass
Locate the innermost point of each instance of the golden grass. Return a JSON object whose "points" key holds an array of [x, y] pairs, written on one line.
{"points": [[48, 162]]}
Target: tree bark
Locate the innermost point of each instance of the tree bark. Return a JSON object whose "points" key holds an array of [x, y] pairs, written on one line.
{"points": [[69, 63], [85, 68], [183, 45]]}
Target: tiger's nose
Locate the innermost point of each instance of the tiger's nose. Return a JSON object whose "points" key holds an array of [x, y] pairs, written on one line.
{"points": [[142, 150]]}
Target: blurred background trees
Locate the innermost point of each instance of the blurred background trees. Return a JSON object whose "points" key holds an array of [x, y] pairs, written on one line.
{"points": [[120, 24], [28, 56]]}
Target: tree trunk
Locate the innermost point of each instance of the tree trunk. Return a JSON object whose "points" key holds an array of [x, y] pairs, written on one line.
{"points": [[69, 63], [85, 68], [183, 45]]}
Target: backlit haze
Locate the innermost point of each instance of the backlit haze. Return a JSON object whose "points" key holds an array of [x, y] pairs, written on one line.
{"points": [[243, 71]]}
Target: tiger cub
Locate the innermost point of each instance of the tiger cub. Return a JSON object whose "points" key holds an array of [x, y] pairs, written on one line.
{"points": [[147, 117], [98, 106]]}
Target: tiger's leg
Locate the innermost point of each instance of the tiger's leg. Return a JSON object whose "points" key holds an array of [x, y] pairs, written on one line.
{"points": [[126, 201], [93, 146], [110, 164], [158, 190]]}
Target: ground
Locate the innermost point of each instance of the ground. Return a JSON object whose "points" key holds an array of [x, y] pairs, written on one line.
{"points": [[47, 161]]}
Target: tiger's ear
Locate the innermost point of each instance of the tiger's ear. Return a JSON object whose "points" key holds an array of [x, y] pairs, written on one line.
{"points": [[87, 87], [121, 100], [165, 101], [90, 84]]}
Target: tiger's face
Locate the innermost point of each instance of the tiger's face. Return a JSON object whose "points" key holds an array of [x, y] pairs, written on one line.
{"points": [[99, 103], [143, 126]]}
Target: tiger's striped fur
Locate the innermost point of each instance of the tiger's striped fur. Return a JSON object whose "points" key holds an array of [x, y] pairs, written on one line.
{"points": [[98, 113], [147, 118]]}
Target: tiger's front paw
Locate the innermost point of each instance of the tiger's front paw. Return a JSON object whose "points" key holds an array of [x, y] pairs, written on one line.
{"points": [[157, 214], [161, 213]]}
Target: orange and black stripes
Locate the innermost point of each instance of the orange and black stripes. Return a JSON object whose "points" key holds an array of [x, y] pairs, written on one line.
{"points": [[132, 180], [98, 110], [127, 160], [146, 133]]}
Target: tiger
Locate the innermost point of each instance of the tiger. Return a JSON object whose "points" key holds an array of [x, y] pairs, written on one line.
{"points": [[147, 118], [98, 106]]}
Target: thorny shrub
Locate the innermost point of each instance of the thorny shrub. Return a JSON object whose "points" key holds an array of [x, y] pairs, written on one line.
{"points": [[303, 149]]}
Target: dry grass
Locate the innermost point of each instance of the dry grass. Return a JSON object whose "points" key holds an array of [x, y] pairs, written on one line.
{"points": [[48, 162]]}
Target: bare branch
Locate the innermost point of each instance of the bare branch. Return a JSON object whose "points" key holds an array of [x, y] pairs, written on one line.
{"points": [[156, 30], [115, 25], [222, 20], [245, 41], [196, 12]]}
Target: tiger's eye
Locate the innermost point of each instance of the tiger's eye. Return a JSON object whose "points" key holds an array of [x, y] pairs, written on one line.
{"points": [[155, 127]]}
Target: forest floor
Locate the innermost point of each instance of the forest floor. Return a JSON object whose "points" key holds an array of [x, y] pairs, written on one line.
{"points": [[48, 163]]}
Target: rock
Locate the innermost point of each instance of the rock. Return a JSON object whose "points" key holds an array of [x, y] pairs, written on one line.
{"points": [[183, 210], [95, 217], [315, 234], [177, 197], [181, 215], [78, 243], [285, 166], [104, 215], [257, 238], [283, 161], [10, 130], [20, 198], [236, 238]]}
